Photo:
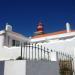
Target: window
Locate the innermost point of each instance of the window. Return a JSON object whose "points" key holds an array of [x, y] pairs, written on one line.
{"points": [[15, 43]]}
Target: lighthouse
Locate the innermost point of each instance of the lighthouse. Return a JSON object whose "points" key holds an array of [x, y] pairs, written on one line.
{"points": [[40, 29]]}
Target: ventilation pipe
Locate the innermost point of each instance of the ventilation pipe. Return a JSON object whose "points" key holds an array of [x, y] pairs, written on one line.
{"points": [[68, 27]]}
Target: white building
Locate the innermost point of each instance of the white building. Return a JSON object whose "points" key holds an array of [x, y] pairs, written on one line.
{"points": [[61, 41], [11, 44], [9, 38]]}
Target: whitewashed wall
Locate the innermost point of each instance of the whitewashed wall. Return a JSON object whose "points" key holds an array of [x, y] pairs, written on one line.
{"points": [[9, 53], [15, 68], [1, 40], [32, 67], [65, 46]]}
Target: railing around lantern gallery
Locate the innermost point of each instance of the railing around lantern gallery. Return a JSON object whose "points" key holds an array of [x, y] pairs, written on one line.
{"points": [[38, 52]]}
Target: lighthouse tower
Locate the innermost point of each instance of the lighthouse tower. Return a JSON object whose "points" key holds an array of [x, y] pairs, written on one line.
{"points": [[40, 29]]}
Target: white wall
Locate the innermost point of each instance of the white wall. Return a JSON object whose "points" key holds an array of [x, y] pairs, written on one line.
{"points": [[31, 67], [7, 53], [14, 52], [14, 36], [15, 67], [1, 40], [65, 46]]}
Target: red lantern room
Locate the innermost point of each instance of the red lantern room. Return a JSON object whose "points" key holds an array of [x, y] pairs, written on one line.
{"points": [[40, 29]]}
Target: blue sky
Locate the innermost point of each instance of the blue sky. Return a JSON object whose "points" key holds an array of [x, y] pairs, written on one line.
{"points": [[23, 15]]}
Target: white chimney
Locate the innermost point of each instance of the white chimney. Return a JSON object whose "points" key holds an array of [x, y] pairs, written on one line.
{"points": [[8, 27], [68, 27]]}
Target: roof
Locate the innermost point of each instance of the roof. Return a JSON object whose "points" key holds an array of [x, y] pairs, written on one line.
{"points": [[2, 32], [51, 34]]}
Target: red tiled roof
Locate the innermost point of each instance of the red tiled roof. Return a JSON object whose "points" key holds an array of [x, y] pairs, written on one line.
{"points": [[50, 34]]}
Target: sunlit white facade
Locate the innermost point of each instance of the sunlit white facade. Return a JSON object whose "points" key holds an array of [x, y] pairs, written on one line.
{"points": [[10, 45], [61, 41]]}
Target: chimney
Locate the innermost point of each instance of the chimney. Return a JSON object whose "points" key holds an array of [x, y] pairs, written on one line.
{"points": [[68, 27]]}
